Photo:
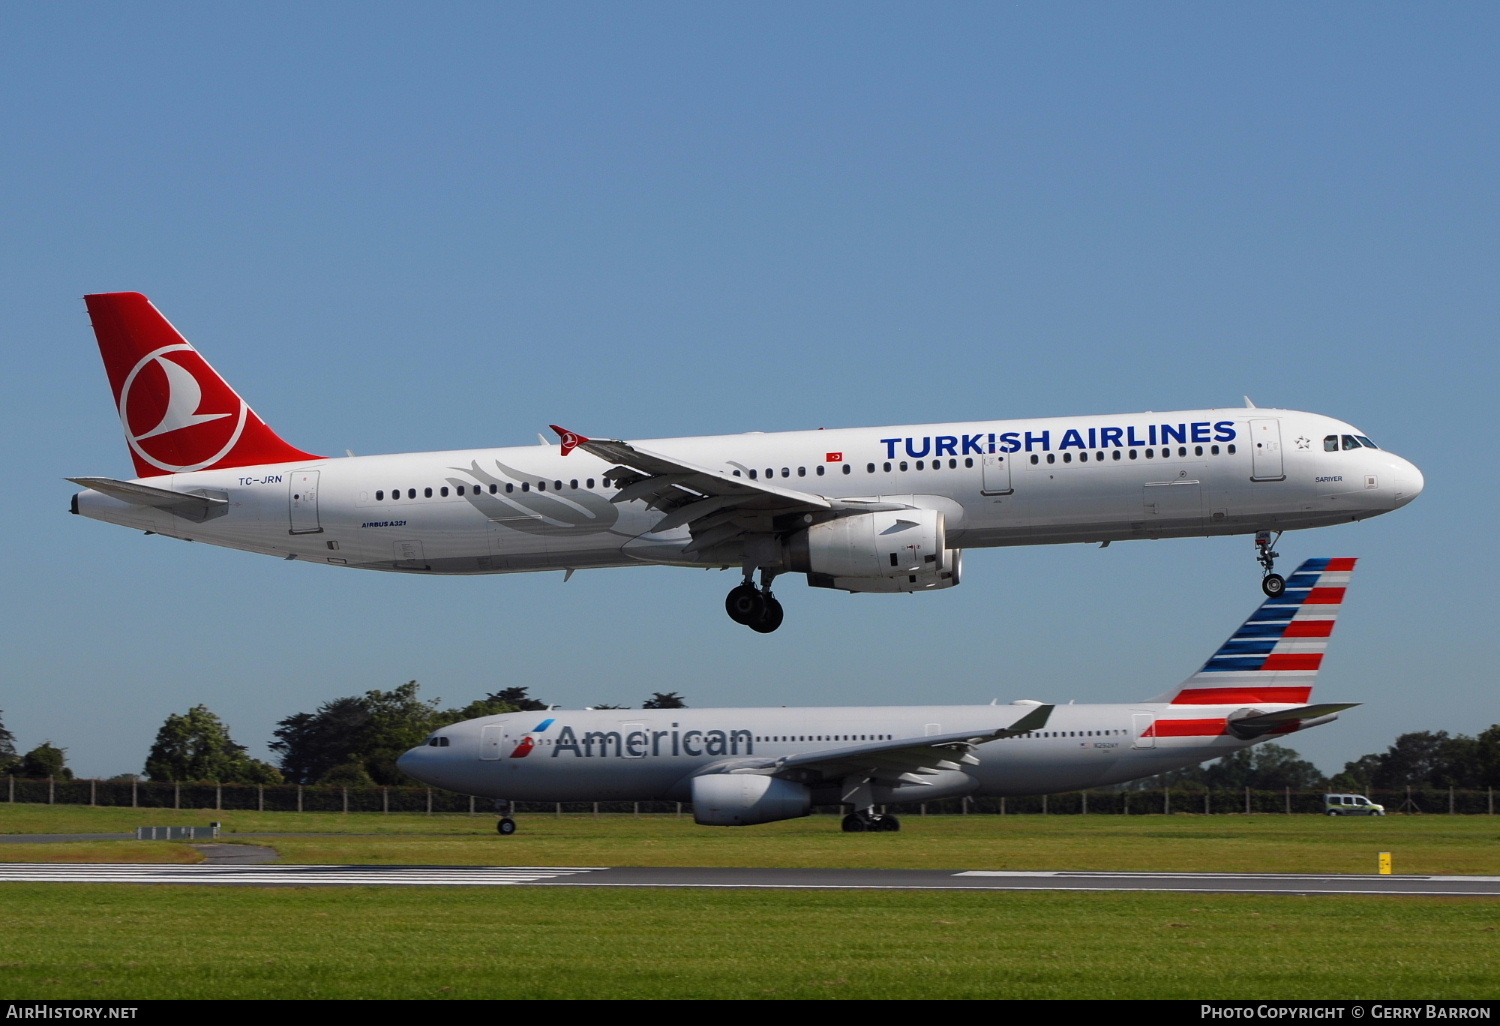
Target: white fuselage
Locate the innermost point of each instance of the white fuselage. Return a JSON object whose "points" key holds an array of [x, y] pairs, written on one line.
{"points": [[644, 755], [1033, 482]]}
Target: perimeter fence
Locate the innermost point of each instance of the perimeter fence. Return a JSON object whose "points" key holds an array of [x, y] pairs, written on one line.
{"points": [[299, 798]]}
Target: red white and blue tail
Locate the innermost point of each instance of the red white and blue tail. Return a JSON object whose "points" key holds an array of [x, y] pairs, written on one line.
{"points": [[1273, 659]]}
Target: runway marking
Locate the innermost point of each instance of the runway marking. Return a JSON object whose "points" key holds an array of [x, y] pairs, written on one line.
{"points": [[288, 876]]}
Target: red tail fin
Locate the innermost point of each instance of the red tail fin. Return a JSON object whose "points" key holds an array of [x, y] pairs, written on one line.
{"points": [[178, 414]]}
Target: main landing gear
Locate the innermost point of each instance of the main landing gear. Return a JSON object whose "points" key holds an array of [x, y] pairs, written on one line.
{"points": [[1273, 584], [869, 823], [754, 607]]}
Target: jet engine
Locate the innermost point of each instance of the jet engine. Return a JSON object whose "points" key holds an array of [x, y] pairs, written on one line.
{"points": [[741, 799], [925, 580], [894, 543]]}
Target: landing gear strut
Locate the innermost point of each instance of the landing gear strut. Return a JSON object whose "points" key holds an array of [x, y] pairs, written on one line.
{"points": [[754, 607], [866, 822], [1273, 584]]}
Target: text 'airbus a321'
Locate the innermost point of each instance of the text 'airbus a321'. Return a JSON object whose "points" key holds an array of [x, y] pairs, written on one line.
{"points": [[744, 766], [880, 510]]}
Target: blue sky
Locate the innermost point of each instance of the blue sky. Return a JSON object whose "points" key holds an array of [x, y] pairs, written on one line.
{"points": [[401, 227]]}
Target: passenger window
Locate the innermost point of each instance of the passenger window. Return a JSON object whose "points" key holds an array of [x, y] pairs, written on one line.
{"points": [[903, 466], [1182, 450], [525, 486], [754, 476], [820, 469], [573, 484], [869, 468], [1230, 449], [591, 482], [968, 461], [887, 467], [494, 488], [802, 471], [509, 487], [1116, 454], [848, 469], [1150, 453], [1132, 454], [785, 472], [1034, 459], [541, 486], [558, 485], [411, 493], [443, 491], [379, 495], [921, 465], [1051, 457], [427, 493], [1197, 450]]}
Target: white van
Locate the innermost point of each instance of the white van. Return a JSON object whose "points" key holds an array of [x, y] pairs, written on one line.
{"points": [[1351, 805]]}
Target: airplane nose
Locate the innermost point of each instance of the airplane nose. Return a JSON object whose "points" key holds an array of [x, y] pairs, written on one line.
{"points": [[413, 763], [1407, 482]]}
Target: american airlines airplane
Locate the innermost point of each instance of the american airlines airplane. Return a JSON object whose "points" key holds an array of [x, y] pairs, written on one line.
{"points": [[879, 510], [745, 766]]}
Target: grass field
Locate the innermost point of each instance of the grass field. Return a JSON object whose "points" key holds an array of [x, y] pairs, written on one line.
{"points": [[1261, 843], [121, 941]]}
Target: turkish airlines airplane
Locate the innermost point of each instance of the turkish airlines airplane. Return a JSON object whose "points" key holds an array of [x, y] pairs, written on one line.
{"points": [[744, 766], [858, 509]]}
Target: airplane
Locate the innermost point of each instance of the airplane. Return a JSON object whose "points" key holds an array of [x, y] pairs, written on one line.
{"points": [[745, 766], [861, 510]]}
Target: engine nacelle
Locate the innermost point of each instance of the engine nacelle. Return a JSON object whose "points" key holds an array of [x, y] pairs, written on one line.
{"points": [[927, 580], [884, 544], [740, 799]]}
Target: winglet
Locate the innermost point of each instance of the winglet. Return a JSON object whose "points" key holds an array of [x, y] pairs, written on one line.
{"points": [[570, 439]]}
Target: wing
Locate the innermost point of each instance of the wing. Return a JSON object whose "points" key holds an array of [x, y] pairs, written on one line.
{"points": [[715, 505], [905, 761]]}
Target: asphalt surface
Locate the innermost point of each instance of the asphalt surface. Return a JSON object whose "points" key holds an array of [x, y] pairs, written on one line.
{"points": [[788, 879]]}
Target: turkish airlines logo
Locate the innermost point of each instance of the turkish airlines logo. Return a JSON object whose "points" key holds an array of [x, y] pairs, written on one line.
{"points": [[178, 414]]}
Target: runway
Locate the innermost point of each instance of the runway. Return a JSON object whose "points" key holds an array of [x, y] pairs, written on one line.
{"points": [[771, 879]]}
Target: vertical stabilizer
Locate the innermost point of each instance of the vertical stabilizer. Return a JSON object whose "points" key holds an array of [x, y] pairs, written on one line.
{"points": [[178, 414], [1273, 659]]}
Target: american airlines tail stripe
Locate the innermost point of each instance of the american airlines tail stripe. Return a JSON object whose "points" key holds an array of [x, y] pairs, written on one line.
{"points": [[1187, 728], [1244, 696]]}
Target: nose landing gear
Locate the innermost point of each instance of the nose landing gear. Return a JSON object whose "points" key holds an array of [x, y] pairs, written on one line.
{"points": [[506, 826], [754, 607], [1273, 584]]}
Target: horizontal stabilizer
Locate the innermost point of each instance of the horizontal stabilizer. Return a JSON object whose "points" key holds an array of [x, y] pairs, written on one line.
{"points": [[190, 506], [1264, 723]]}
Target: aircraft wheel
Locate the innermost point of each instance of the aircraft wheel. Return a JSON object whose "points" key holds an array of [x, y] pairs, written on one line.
{"points": [[770, 618], [506, 826], [888, 824], [1273, 585], [745, 604], [854, 824]]}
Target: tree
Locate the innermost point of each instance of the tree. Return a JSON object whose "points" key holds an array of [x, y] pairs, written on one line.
{"points": [[366, 734], [197, 746], [9, 760], [517, 699], [46, 760], [670, 700]]}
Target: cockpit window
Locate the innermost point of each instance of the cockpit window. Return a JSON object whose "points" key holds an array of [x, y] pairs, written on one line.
{"points": [[1330, 443], [1366, 442], [1350, 442], [437, 742]]}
